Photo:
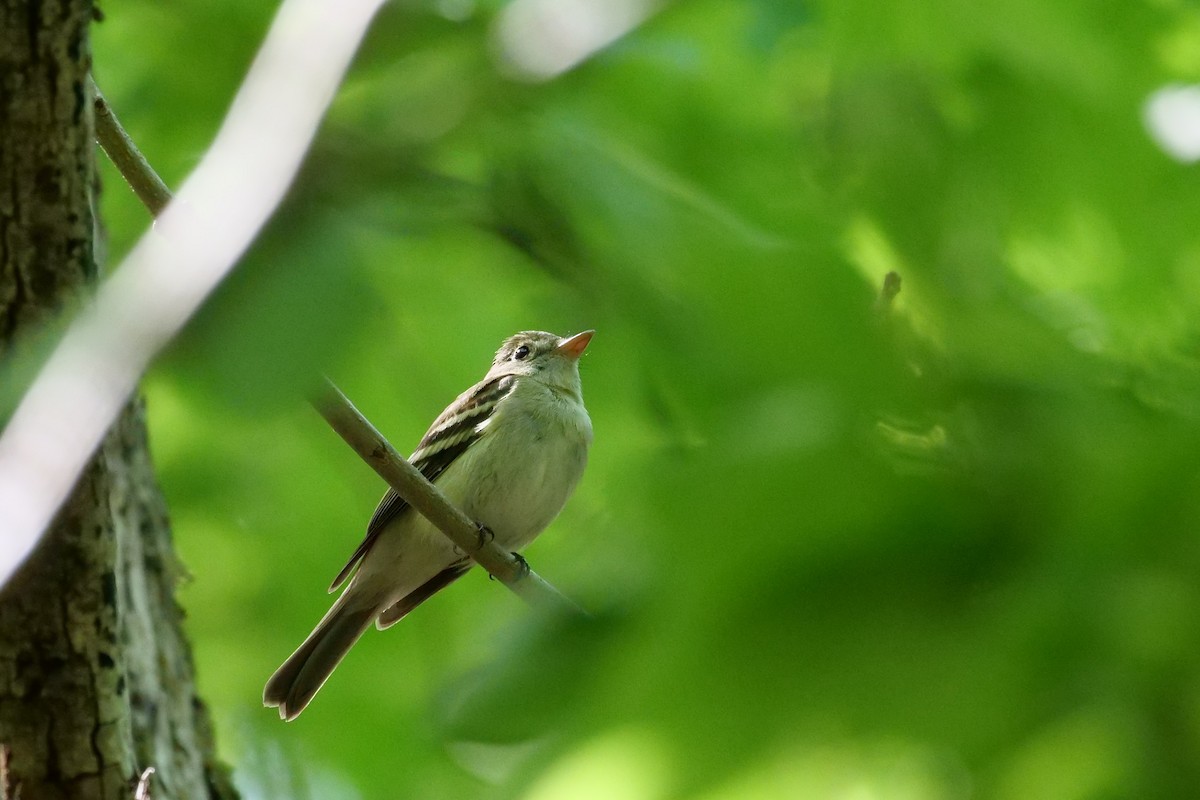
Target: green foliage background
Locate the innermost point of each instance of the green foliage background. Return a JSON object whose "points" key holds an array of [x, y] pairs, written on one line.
{"points": [[947, 553]]}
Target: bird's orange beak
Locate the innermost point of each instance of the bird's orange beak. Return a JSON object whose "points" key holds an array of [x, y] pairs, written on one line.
{"points": [[573, 346]]}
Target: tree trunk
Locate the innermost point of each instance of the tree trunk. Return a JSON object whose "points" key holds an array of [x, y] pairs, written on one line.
{"points": [[95, 673]]}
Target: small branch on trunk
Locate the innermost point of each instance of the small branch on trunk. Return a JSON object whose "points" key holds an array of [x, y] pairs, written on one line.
{"points": [[126, 157]]}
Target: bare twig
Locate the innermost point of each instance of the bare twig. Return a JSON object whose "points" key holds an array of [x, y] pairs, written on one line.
{"points": [[126, 157], [143, 786], [422, 495]]}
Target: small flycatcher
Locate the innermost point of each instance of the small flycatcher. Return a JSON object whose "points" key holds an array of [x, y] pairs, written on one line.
{"points": [[508, 452]]}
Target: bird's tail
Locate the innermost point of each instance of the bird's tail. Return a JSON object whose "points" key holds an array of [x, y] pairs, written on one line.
{"points": [[294, 684]]}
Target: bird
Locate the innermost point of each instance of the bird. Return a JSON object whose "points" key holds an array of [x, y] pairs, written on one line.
{"points": [[509, 452]]}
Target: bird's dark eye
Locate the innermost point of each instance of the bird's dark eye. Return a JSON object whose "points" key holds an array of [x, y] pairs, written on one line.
{"points": [[521, 352]]}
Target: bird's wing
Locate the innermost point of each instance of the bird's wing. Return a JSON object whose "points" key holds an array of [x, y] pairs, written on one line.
{"points": [[457, 428], [397, 610]]}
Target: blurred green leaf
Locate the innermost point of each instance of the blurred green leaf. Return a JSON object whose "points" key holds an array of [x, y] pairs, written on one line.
{"points": [[940, 552]]}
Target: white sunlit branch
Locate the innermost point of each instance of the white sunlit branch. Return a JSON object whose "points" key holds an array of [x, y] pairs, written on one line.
{"points": [[540, 39], [222, 205]]}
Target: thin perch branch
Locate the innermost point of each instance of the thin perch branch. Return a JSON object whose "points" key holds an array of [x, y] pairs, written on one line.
{"points": [[426, 498], [355, 429]]}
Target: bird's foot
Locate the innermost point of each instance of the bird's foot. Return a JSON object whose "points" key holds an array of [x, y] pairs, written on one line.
{"points": [[484, 535], [522, 567]]}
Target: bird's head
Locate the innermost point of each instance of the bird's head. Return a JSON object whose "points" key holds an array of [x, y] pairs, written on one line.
{"points": [[550, 358]]}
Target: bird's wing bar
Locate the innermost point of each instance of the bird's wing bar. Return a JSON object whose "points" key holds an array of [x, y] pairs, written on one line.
{"points": [[457, 428]]}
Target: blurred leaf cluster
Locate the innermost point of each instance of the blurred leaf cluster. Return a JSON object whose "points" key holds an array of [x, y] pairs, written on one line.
{"points": [[947, 551]]}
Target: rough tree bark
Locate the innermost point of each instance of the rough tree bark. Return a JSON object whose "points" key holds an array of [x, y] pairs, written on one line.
{"points": [[95, 673]]}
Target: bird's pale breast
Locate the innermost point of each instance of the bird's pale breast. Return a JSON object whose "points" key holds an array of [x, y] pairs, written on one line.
{"points": [[514, 479], [527, 465]]}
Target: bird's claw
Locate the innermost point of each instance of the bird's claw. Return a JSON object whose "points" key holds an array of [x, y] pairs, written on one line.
{"points": [[484, 535], [522, 567]]}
